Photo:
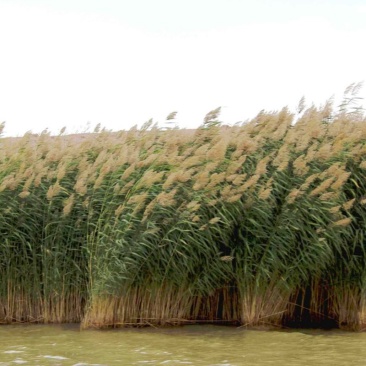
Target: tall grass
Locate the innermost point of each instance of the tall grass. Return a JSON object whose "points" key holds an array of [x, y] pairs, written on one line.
{"points": [[261, 223]]}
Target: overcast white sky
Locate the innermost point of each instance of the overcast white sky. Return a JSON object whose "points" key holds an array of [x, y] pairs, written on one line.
{"points": [[122, 62]]}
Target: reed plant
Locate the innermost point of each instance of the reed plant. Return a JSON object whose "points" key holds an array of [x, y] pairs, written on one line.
{"points": [[259, 223]]}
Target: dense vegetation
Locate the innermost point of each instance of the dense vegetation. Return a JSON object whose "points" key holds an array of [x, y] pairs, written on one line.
{"points": [[260, 223]]}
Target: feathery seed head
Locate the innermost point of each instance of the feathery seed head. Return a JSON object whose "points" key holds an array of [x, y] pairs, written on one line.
{"points": [[349, 204], [250, 146], [233, 198], [53, 191], [238, 181], [214, 220], [310, 179], [196, 218], [343, 222], [28, 172], [249, 183], [28, 183], [149, 178], [193, 205], [234, 167], [39, 177], [283, 166], [86, 202], [283, 156], [341, 179], [265, 193], [218, 151], [322, 187], [326, 151], [166, 199], [202, 150], [334, 169], [311, 152], [81, 186], [213, 203], [138, 199], [61, 171], [127, 187], [262, 166], [185, 176], [335, 209], [170, 180], [9, 182], [293, 195], [231, 177], [201, 179], [149, 209], [328, 196], [215, 180], [128, 171], [212, 165], [237, 154], [191, 161], [148, 161], [226, 191], [118, 211], [99, 181], [24, 194], [300, 165], [226, 258]]}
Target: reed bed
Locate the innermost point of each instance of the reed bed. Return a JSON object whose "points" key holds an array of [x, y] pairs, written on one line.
{"points": [[259, 223]]}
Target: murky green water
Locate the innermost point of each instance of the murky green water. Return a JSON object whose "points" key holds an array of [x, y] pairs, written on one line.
{"points": [[190, 345]]}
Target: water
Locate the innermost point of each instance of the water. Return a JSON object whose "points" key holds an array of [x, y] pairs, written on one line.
{"points": [[189, 345]]}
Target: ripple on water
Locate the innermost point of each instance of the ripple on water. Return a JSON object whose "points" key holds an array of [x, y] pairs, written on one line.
{"points": [[88, 364], [13, 351], [55, 357]]}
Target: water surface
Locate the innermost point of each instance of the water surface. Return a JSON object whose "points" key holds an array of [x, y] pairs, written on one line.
{"points": [[190, 345]]}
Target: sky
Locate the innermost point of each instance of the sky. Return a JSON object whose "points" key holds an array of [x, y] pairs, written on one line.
{"points": [[77, 63]]}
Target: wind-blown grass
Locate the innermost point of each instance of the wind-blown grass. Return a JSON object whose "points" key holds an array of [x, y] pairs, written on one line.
{"points": [[262, 223]]}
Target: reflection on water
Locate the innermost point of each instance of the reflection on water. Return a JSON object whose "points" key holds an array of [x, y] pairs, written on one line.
{"points": [[189, 345]]}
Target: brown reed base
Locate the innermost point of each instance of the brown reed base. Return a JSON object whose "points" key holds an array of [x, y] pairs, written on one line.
{"points": [[26, 308], [312, 307]]}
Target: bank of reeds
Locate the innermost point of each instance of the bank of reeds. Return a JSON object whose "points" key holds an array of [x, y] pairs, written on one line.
{"points": [[262, 223]]}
